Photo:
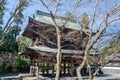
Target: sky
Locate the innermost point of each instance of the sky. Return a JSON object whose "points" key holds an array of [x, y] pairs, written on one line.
{"points": [[36, 5], [28, 12]]}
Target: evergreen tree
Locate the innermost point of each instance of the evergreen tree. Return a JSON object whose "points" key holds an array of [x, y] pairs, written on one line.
{"points": [[85, 21], [2, 8], [8, 44]]}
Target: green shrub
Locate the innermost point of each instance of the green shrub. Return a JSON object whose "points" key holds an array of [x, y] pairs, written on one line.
{"points": [[0, 67], [21, 64]]}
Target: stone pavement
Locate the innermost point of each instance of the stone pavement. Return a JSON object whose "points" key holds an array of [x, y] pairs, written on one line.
{"points": [[109, 74], [100, 77]]}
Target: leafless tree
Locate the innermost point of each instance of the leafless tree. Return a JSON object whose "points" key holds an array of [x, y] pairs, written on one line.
{"points": [[101, 18], [53, 14], [106, 20]]}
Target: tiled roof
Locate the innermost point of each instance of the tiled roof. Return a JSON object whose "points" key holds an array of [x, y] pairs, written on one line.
{"points": [[61, 21], [114, 57]]}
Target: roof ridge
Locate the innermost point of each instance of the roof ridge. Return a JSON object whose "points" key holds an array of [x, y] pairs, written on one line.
{"points": [[47, 14]]}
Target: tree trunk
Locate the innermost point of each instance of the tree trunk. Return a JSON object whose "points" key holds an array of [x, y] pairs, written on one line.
{"points": [[4, 61], [3, 66], [58, 56], [91, 77], [82, 65], [90, 72]]}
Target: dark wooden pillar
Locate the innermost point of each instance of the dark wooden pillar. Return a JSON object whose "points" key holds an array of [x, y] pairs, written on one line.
{"points": [[31, 62], [68, 68], [39, 66], [64, 67], [37, 69], [37, 62], [43, 68], [60, 70], [52, 69], [47, 68], [72, 68]]}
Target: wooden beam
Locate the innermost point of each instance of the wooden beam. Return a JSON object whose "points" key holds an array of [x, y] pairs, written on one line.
{"points": [[46, 49]]}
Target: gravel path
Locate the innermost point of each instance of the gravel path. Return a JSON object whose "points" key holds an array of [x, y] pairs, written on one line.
{"points": [[99, 77], [12, 76], [108, 75]]}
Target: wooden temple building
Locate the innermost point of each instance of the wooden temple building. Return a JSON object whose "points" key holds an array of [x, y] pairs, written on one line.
{"points": [[43, 49]]}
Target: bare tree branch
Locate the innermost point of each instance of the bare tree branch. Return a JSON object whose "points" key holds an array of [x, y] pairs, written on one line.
{"points": [[56, 8], [99, 32], [94, 14], [59, 54], [44, 4], [93, 21], [1, 1], [115, 19], [76, 6]]}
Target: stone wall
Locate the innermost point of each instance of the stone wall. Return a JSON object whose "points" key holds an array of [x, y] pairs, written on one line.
{"points": [[111, 70]]}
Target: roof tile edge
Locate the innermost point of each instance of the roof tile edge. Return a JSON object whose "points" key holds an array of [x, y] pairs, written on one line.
{"points": [[47, 14]]}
